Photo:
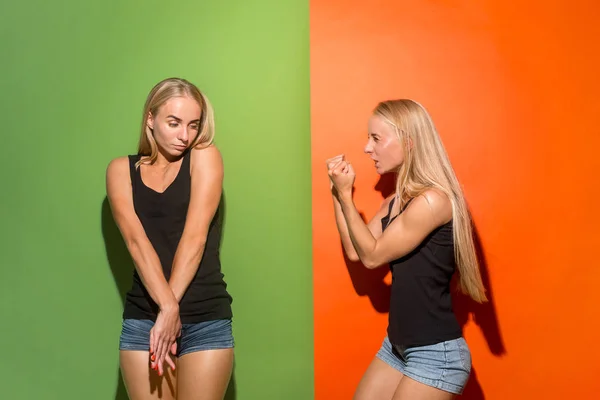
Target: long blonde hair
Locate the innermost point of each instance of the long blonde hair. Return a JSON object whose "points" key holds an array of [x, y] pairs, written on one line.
{"points": [[159, 95], [426, 165]]}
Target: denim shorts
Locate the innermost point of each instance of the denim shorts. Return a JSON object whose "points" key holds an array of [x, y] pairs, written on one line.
{"points": [[445, 365], [209, 335]]}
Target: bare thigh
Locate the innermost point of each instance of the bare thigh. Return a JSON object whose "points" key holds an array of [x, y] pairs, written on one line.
{"points": [[379, 382], [204, 375], [409, 389], [142, 382]]}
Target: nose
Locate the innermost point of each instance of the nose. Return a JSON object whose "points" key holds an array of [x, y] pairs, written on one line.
{"points": [[368, 148], [184, 135]]}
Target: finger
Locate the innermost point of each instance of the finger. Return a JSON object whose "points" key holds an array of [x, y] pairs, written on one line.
{"points": [[336, 158], [152, 341], [340, 167], [159, 354], [340, 164], [168, 359], [152, 349], [334, 169], [170, 362], [160, 366], [163, 355]]}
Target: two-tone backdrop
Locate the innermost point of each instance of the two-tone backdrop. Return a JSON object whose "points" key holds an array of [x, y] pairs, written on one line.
{"points": [[512, 89]]}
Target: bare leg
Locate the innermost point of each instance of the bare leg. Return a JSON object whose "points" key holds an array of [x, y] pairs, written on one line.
{"points": [[409, 389], [143, 383], [379, 382], [204, 375]]}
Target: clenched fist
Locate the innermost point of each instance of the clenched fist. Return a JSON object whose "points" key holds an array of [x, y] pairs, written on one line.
{"points": [[341, 174]]}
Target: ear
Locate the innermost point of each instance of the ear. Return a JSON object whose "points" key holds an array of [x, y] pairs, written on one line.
{"points": [[150, 120]]}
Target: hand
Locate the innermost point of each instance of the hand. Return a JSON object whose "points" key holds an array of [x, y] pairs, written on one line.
{"points": [[333, 161], [341, 175], [163, 337], [331, 164]]}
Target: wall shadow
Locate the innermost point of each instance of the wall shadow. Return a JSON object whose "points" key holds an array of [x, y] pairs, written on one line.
{"points": [[483, 315], [121, 266], [231, 393], [370, 282]]}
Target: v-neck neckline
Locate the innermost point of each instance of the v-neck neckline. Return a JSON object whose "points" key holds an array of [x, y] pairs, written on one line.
{"points": [[170, 184]]}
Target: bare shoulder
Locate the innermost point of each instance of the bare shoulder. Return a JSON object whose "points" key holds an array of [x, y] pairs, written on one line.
{"points": [[437, 203], [117, 168], [206, 161], [207, 155]]}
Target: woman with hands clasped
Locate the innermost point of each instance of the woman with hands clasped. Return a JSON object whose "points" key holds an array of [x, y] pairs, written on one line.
{"points": [[424, 233], [176, 340]]}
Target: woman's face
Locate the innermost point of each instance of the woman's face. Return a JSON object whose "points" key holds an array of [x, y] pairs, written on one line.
{"points": [[175, 125], [384, 147]]}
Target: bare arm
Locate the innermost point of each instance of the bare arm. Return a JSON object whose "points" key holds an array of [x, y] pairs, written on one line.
{"points": [[374, 226], [207, 181], [403, 235], [147, 263]]}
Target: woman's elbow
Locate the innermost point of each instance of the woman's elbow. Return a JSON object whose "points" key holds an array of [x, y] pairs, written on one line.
{"points": [[352, 257], [371, 264]]}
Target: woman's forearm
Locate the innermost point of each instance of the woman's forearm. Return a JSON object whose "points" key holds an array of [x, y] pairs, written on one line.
{"points": [[185, 264], [150, 271], [361, 237], [343, 230]]}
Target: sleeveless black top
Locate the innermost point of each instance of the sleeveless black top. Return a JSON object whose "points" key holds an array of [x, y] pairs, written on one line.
{"points": [[163, 217], [421, 305]]}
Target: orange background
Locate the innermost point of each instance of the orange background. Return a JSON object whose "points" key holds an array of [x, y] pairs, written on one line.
{"points": [[513, 90]]}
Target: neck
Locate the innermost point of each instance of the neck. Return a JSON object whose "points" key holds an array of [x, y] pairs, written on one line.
{"points": [[164, 160]]}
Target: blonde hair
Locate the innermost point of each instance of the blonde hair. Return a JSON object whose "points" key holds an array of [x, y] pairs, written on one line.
{"points": [[426, 165], [158, 96]]}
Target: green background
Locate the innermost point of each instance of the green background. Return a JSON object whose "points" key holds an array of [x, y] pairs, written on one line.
{"points": [[74, 76]]}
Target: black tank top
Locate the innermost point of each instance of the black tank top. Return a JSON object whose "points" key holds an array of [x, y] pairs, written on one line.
{"points": [[163, 217], [421, 305]]}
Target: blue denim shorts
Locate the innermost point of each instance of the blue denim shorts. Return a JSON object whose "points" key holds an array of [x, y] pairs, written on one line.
{"points": [[445, 365], [210, 335]]}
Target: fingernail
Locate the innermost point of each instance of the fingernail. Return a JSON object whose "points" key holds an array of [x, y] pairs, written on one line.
{"points": [[153, 357]]}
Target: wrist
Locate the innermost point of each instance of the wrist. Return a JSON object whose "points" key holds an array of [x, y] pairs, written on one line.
{"points": [[345, 197], [169, 306]]}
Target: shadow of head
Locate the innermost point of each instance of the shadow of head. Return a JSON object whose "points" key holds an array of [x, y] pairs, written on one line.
{"points": [[386, 185]]}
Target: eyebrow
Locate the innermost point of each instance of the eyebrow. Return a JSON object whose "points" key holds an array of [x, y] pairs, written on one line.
{"points": [[180, 120]]}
